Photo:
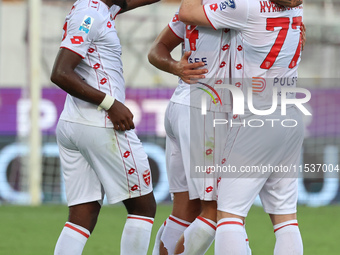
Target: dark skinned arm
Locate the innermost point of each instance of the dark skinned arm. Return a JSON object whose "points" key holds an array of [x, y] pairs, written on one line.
{"points": [[64, 76], [160, 56]]}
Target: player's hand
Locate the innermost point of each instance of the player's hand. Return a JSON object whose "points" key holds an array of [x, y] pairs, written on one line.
{"points": [[303, 35], [121, 117], [189, 72]]}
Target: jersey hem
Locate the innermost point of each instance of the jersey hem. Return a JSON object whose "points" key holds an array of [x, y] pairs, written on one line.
{"points": [[227, 109], [86, 124]]}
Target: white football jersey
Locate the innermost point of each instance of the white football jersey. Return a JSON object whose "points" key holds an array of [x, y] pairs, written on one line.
{"points": [[89, 31], [211, 47], [266, 51]]}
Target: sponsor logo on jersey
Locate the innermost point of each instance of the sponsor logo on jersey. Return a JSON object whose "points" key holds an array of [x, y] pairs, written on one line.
{"points": [[77, 40], [258, 84], [127, 153], [134, 187], [228, 3], [213, 7], [209, 189], [131, 171], [286, 81], [86, 24]]}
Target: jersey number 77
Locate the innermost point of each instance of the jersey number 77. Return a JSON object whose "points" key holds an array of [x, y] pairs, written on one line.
{"points": [[281, 37]]}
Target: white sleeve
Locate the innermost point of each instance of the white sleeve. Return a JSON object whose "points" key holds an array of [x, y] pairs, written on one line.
{"points": [[231, 14], [80, 30], [177, 27]]}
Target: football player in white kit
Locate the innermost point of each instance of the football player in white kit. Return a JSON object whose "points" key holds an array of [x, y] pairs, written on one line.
{"points": [[266, 48], [184, 123], [181, 183], [99, 152]]}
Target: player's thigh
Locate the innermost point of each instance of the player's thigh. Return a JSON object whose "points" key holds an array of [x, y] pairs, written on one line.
{"points": [[81, 182], [203, 152], [175, 168], [236, 195], [253, 144], [178, 128], [279, 194], [174, 160], [294, 139], [247, 150], [195, 146], [119, 161], [251, 154]]}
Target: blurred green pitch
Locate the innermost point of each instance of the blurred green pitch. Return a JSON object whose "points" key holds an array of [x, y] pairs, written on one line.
{"points": [[34, 230]]}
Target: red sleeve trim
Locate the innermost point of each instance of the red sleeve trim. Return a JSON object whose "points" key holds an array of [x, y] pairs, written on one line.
{"points": [[174, 32], [206, 222], [137, 218], [208, 18], [77, 230], [63, 47]]}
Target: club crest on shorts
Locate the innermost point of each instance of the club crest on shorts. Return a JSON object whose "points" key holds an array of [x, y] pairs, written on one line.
{"points": [[147, 177]]}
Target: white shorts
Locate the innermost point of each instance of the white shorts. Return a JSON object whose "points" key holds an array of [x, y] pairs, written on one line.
{"points": [[261, 161], [98, 161], [193, 148]]}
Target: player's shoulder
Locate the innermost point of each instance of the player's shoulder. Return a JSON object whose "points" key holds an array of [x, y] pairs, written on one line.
{"points": [[269, 8], [233, 5], [97, 10], [230, 8]]}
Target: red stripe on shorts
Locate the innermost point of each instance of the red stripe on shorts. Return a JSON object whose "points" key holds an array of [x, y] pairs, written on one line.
{"points": [[127, 176], [140, 190], [77, 230]]}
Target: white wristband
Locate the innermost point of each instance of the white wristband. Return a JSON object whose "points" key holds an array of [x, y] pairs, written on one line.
{"points": [[106, 103]]}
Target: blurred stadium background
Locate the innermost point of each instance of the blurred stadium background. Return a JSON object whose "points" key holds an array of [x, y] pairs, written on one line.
{"points": [[29, 163]]}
